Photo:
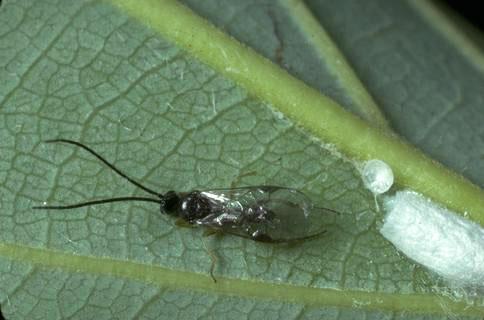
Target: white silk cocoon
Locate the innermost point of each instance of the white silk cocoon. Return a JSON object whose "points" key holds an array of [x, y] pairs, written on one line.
{"points": [[435, 237]]}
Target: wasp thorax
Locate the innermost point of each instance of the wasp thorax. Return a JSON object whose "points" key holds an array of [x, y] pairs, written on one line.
{"points": [[194, 206]]}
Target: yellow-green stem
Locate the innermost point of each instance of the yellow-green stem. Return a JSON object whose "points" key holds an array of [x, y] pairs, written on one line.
{"points": [[338, 66]]}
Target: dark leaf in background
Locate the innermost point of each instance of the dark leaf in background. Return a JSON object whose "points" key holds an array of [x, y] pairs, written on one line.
{"points": [[470, 10]]}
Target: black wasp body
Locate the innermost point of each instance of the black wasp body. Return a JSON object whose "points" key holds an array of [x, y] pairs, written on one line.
{"points": [[262, 213]]}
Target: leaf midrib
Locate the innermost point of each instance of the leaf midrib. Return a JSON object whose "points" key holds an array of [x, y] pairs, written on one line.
{"points": [[169, 278]]}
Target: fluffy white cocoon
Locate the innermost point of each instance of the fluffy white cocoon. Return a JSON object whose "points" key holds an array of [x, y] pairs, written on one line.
{"points": [[435, 237]]}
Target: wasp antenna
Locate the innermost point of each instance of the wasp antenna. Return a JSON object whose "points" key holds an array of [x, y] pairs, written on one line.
{"points": [[95, 202], [110, 165], [330, 210]]}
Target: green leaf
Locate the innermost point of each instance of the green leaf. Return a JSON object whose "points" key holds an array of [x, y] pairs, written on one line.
{"points": [[179, 117]]}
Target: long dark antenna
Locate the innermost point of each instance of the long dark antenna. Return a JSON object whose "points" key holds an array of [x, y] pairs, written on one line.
{"points": [[94, 202], [111, 166]]}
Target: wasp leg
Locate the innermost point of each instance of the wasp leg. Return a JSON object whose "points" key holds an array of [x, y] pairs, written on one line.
{"points": [[210, 232], [214, 259], [183, 223], [265, 238]]}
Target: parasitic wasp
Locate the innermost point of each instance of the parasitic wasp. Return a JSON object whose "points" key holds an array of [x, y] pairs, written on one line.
{"points": [[264, 213]]}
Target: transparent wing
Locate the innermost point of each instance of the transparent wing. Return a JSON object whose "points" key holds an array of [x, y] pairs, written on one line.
{"points": [[262, 213]]}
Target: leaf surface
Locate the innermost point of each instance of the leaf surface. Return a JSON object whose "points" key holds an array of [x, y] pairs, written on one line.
{"points": [[89, 72]]}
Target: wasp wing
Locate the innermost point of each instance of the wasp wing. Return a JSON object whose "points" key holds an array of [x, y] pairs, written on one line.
{"points": [[261, 213]]}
